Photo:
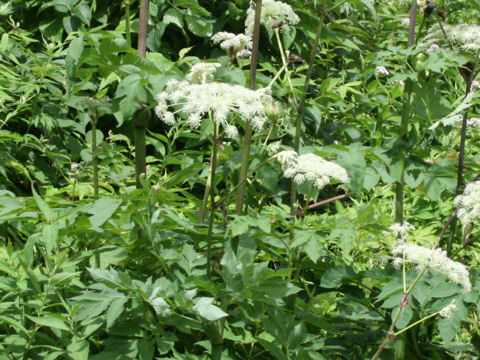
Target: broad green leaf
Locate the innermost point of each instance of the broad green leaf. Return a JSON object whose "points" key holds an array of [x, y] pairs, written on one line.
{"points": [[115, 310], [204, 307], [49, 237], [102, 210], [50, 320]]}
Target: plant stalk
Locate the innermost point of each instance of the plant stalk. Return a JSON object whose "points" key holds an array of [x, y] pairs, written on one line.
{"points": [[94, 156], [248, 126], [213, 168], [127, 22], [139, 124]]}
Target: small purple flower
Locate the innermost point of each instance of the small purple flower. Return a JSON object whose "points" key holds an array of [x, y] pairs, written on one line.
{"points": [[433, 48], [381, 70], [244, 54]]}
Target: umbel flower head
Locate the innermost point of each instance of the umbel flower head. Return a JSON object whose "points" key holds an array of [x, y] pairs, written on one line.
{"points": [[274, 13], [400, 231], [310, 167], [462, 37], [196, 98], [233, 44], [468, 204], [435, 259]]}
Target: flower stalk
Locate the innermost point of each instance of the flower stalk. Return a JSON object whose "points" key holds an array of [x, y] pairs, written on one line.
{"points": [[248, 127], [213, 168]]}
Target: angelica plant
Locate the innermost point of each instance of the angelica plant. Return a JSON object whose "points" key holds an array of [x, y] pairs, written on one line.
{"points": [[423, 258], [198, 98], [235, 45]]}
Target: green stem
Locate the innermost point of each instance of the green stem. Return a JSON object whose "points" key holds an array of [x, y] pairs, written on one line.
{"points": [[127, 22], [140, 123], [234, 190], [279, 72], [248, 127], [300, 108], [206, 194], [94, 157], [309, 196], [416, 323], [213, 169]]}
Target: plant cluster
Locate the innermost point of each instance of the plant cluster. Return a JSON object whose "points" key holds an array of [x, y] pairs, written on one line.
{"points": [[239, 180]]}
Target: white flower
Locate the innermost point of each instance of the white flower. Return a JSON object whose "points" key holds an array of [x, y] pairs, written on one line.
{"points": [[405, 21], [468, 204], [473, 122], [197, 100], [273, 148], [400, 231], [381, 70], [244, 54], [399, 82], [201, 72], [74, 167], [448, 310], [475, 85], [433, 48], [229, 41], [273, 13], [310, 167], [435, 259], [461, 37], [231, 131]]}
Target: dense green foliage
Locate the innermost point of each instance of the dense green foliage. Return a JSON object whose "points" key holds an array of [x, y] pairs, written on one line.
{"points": [[127, 275]]}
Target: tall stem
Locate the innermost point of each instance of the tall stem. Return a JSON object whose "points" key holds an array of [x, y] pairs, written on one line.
{"points": [[141, 124], [248, 127], [399, 198], [213, 168], [94, 156], [127, 22], [300, 108]]}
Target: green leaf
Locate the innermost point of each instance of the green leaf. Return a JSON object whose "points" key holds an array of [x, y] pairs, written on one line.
{"points": [[115, 310], [49, 237], [78, 349], [14, 323], [51, 321], [43, 206], [102, 210], [145, 349], [336, 276], [173, 16], [204, 307]]}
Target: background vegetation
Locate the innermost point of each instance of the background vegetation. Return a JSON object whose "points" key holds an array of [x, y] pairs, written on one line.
{"points": [[134, 273]]}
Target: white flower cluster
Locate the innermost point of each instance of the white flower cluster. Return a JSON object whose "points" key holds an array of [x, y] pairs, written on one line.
{"points": [[473, 122], [435, 259], [475, 85], [381, 70], [310, 167], [462, 37], [448, 310], [400, 231], [196, 100], [202, 72], [468, 204], [229, 41], [273, 13]]}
